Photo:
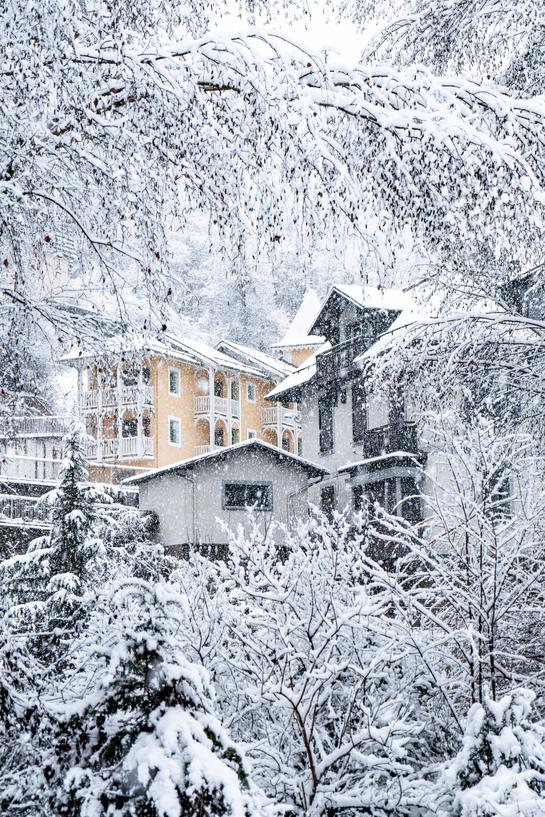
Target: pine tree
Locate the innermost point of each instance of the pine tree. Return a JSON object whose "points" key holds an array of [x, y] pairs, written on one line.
{"points": [[146, 741], [47, 585], [500, 768]]}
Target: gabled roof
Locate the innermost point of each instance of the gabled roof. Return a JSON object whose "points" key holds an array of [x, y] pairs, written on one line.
{"points": [[287, 389], [363, 297], [185, 350], [270, 366], [224, 453], [298, 332]]}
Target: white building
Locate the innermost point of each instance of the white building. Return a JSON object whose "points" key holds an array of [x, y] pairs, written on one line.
{"points": [[31, 443], [367, 442], [194, 498]]}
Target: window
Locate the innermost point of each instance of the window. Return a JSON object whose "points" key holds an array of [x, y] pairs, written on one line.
{"points": [[359, 411], [358, 498], [251, 434], [218, 387], [234, 436], [327, 501], [129, 428], [234, 390], [397, 495], [129, 373], [251, 392], [325, 422], [286, 442], [300, 446], [219, 436], [174, 382], [241, 495], [174, 431]]}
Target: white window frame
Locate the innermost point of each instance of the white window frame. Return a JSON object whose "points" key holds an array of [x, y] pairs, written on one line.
{"points": [[177, 371], [248, 387], [176, 420], [252, 434]]}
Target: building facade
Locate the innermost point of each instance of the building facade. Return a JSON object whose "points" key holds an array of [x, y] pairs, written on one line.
{"points": [[368, 442], [148, 404], [197, 500]]}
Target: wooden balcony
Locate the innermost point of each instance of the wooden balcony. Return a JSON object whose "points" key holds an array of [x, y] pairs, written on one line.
{"points": [[43, 426], [101, 399], [24, 510], [127, 448], [274, 415], [223, 406], [32, 511], [199, 450], [391, 438]]}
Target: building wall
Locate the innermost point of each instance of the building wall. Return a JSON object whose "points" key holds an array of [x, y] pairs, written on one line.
{"points": [[299, 355], [194, 433], [345, 450], [191, 511]]}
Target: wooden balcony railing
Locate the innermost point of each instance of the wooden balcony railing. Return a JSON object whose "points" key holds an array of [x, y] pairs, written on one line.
{"points": [[110, 398], [222, 405], [43, 426], [389, 438], [31, 510], [111, 449], [270, 417]]}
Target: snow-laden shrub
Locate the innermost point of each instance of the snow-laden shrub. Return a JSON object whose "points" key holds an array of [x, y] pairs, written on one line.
{"points": [[500, 768], [310, 666]]}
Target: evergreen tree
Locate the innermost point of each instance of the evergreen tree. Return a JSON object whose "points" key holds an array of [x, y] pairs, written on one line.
{"points": [[500, 768], [47, 585], [146, 742]]}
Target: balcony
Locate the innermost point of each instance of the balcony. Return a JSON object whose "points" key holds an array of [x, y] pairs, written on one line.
{"points": [[24, 510], [337, 362], [222, 406], [95, 399], [43, 426], [388, 439], [274, 415], [111, 449]]}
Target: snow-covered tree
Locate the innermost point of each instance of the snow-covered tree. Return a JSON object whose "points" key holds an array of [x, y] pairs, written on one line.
{"points": [[120, 118], [310, 670], [487, 37], [47, 585], [22, 721], [500, 768], [146, 739], [471, 582]]}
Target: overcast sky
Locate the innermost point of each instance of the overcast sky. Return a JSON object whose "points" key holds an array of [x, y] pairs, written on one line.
{"points": [[317, 31]]}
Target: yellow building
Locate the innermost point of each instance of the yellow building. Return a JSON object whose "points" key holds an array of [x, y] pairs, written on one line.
{"points": [[297, 344], [148, 403]]}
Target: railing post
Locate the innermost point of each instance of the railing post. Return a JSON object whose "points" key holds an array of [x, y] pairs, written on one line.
{"points": [[140, 413], [119, 376], [279, 424], [99, 419], [211, 406]]}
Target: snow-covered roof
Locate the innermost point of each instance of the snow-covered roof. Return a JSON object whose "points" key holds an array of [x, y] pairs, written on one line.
{"points": [[298, 332], [268, 364], [302, 375], [222, 453], [405, 455], [183, 349], [365, 297]]}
